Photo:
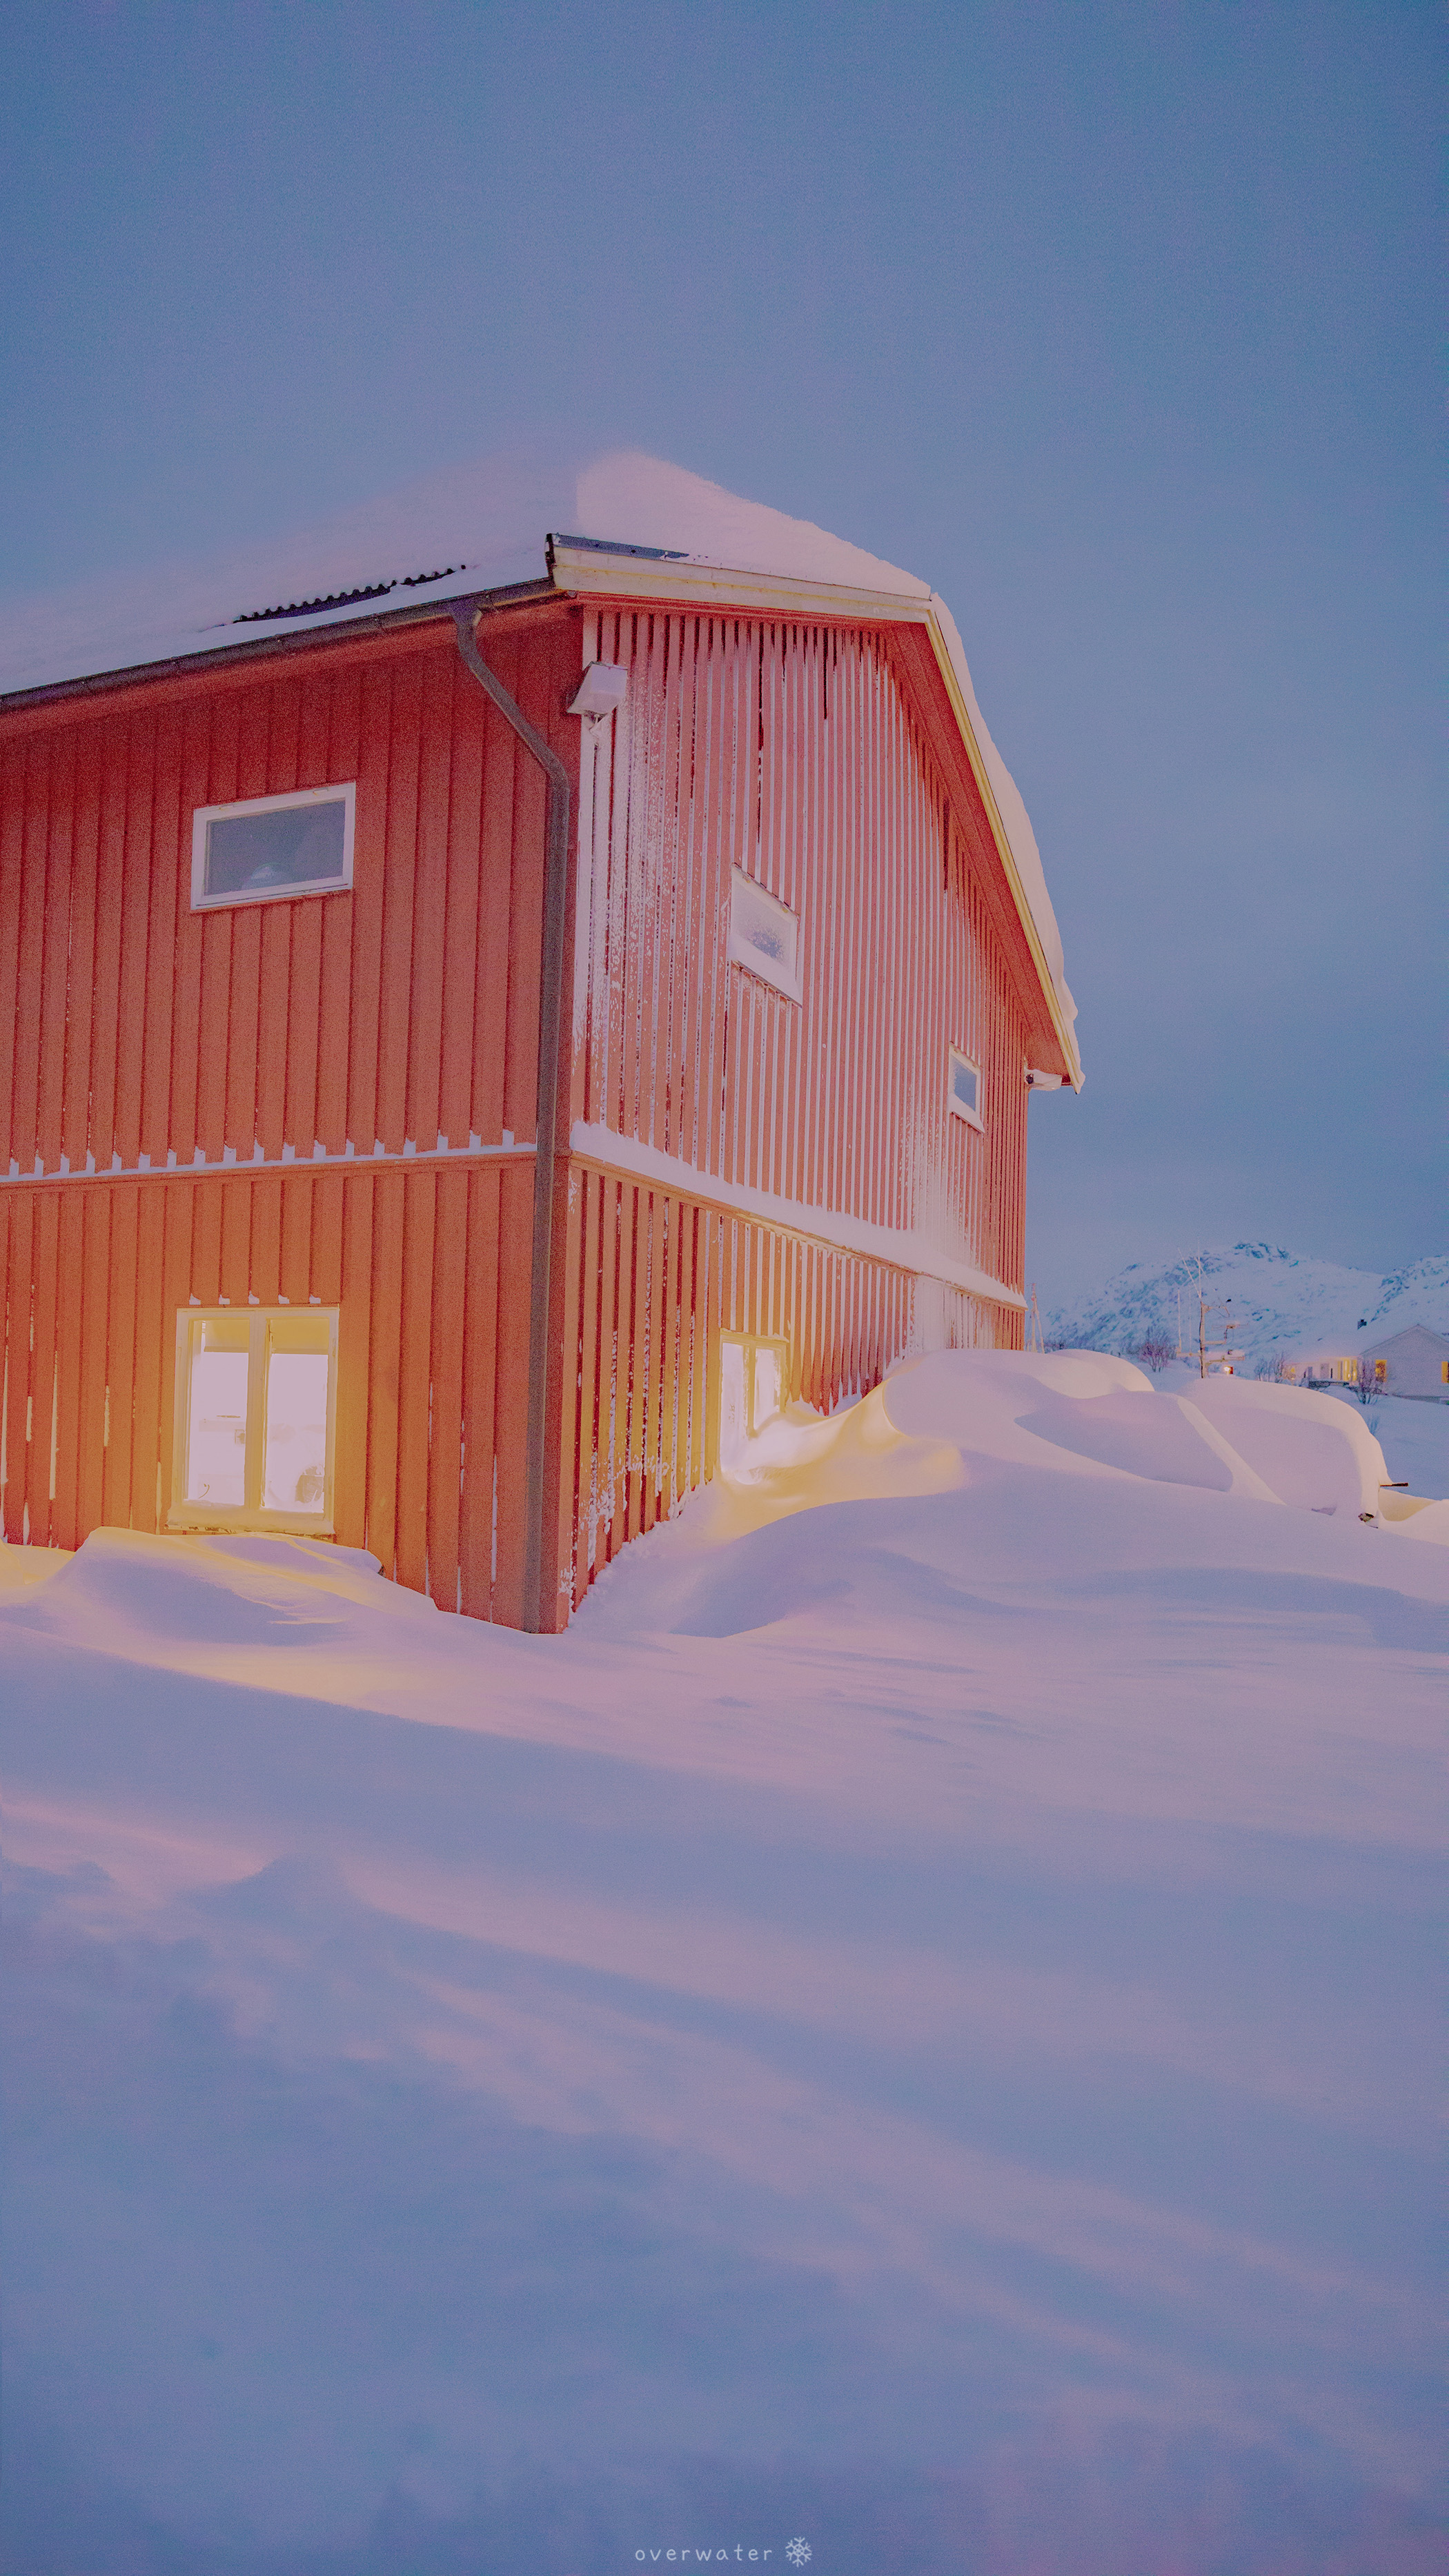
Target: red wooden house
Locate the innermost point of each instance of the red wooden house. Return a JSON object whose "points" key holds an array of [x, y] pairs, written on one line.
{"points": [[487, 1014]]}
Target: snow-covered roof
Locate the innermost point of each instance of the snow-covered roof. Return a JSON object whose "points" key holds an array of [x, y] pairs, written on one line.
{"points": [[482, 527], [1418, 1334]]}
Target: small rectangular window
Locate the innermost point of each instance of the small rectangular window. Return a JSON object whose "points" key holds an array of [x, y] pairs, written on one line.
{"points": [[764, 935], [272, 847], [963, 1091], [256, 1418]]}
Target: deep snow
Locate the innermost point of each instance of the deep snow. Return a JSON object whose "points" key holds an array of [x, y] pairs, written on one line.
{"points": [[913, 2025], [1413, 1436]]}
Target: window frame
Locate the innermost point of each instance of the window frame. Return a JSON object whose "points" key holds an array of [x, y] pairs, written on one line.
{"points": [[294, 801], [750, 1346], [184, 1515], [755, 961], [957, 1108]]}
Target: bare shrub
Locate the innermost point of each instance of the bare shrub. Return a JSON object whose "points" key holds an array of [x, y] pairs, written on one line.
{"points": [[1155, 1353]]}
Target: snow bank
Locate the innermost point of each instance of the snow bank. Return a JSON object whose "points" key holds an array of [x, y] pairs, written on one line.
{"points": [[1322, 1459], [949, 1418], [912, 2025]]}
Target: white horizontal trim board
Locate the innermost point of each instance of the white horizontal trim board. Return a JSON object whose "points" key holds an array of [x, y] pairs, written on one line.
{"points": [[899, 1247], [370, 1159]]}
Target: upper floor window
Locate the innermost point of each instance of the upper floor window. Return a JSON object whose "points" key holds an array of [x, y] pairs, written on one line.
{"points": [[963, 1088], [267, 847], [764, 935]]}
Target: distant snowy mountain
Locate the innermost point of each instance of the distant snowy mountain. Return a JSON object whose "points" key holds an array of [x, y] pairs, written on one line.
{"points": [[1284, 1304]]}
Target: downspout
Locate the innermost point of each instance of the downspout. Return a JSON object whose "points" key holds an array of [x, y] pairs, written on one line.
{"points": [[550, 1014]]}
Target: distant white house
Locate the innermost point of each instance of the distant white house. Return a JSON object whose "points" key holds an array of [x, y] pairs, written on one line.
{"points": [[1414, 1362], [1330, 1369]]}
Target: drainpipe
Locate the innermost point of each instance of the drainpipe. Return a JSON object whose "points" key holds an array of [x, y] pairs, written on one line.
{"points": [[550, 1013]]}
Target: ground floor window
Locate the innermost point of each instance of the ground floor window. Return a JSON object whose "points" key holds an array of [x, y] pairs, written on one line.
{"points": [[256, 1416], [754, 1378]]}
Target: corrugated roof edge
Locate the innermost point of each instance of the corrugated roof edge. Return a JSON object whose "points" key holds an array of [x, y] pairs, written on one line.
{"points": [[195, 653]]}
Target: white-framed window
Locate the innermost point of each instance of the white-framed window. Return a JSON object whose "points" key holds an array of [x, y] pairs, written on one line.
{"points": [[268, 849], [754, 1379], [764, 935], [256, 1418], [963, 1088]]}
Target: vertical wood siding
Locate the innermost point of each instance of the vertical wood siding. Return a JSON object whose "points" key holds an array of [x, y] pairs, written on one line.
{"points": [[434, 1347], [135, 1032], [163, 1053], [168, 1050], [653, 1281], [791, 752]]}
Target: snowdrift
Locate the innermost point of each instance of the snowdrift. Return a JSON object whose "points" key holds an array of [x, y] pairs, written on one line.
{"points": [[912, 2026], [949, 1418]]}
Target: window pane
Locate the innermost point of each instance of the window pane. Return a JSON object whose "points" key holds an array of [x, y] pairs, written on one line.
{"points": [[293, 845], [767, 933], [963, 1083], [764, 934], [733, 1427], [216, 1437], [767, 1388], [303, 1329], [294, 1475]]}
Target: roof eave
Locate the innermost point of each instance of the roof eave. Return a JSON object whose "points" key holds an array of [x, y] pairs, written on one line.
{"points": [[277, 636]]}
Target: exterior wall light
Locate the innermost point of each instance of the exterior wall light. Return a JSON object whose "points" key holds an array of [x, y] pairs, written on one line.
{"points": [[600, 693]]}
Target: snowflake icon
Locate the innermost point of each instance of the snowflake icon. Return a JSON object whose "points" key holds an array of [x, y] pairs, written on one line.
{"points": [[798, 2552]]}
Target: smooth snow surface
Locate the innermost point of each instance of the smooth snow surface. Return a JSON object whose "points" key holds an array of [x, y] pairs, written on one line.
{"points": [[912, 2026], [1414, 1438], [483, 525]]}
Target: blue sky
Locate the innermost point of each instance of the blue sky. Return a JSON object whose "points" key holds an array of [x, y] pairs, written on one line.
{"points": [[1120, 324]]}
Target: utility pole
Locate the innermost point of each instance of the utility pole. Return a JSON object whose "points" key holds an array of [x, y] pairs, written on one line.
{"points": [[1034, 1341], [1222, 1352]]}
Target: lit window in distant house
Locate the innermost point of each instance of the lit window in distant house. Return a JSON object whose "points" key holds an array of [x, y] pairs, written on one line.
{"points": [[256, 1418], [764, 935], [963, 1089], [271, 847]]}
